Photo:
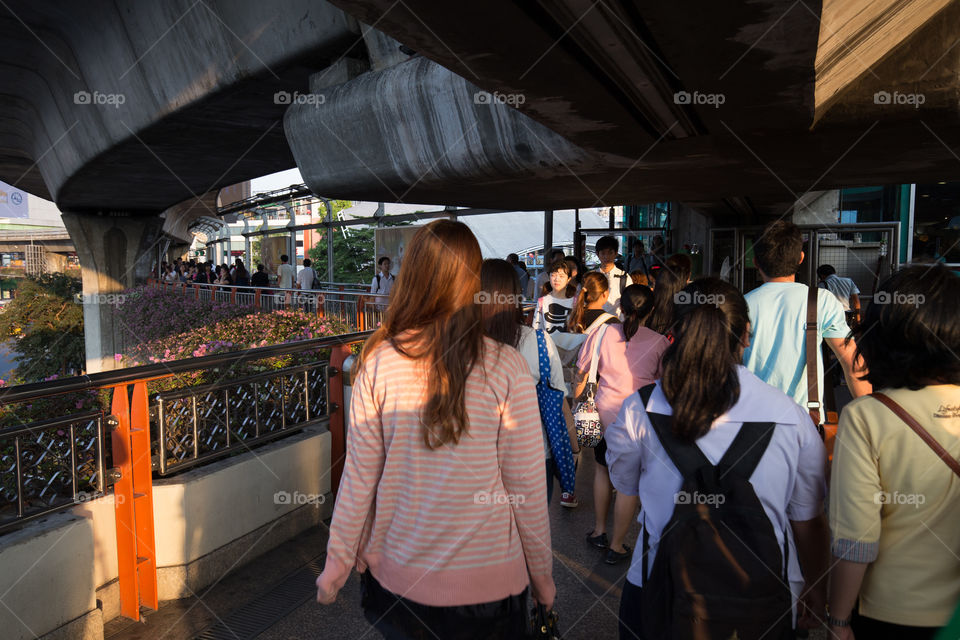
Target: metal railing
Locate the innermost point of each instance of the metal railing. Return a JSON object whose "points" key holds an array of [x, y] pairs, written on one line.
{"points": [[199, 424], [49, 465], [358, 310]]}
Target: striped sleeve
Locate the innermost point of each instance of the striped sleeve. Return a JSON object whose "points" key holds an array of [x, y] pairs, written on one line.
{"points": [[358, 485], [520, 453]]}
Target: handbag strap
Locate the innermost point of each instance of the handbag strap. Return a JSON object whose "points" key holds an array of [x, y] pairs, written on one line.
{"points": [[595, 357], [543, 357], [942, 453], [813, 386]]}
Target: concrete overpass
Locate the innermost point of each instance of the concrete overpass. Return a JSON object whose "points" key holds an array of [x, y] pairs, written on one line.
{"points": [[121, 111]]}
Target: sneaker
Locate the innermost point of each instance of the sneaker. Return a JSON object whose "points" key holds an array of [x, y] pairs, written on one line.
{"points": [[615, 557], [569, 500], [600, 541]]}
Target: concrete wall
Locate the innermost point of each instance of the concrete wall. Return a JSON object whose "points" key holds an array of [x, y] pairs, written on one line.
{"points": [[207, 521], [690, 226], [817, 207]]}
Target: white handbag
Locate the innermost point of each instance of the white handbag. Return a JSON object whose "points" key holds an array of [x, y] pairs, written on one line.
{"points": [[586, 417]]}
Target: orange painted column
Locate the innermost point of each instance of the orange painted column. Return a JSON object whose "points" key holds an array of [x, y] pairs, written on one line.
{"points": [[338, 418], [133, 501]]}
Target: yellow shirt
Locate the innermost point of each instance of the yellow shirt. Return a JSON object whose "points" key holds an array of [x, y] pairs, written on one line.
{"points": [[895, 505]]}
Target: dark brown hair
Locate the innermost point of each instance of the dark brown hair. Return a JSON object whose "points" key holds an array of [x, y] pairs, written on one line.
{"points": [[778, 250], [433, 317], [910, 334], [700, 377], [500, 301], [595, 286]]}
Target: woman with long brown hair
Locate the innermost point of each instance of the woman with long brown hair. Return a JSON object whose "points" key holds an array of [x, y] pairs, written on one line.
{"points": [[588, 308], [442, 503]]}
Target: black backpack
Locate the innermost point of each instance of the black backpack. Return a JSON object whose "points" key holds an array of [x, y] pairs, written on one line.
{"points": [[719, 572]]}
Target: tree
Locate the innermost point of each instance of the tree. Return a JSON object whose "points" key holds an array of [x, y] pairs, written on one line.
{"points": [[353, 259], [45, 322]]}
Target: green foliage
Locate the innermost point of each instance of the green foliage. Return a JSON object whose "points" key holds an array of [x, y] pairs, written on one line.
{"points": [[353, 259], [45, 323]]}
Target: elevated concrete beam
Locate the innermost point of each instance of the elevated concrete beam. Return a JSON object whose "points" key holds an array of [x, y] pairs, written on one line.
{"points": [[418, 124]]}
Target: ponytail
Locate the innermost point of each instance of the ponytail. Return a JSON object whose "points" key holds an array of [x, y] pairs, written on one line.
{"points": [[636, 303], [595, 285], [700, 377]]}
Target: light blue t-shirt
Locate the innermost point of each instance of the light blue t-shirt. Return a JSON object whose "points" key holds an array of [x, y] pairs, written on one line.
{"points": [[777, 351]]}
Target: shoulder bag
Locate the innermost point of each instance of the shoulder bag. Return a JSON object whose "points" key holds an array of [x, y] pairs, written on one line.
{"points": [[586, 416]]}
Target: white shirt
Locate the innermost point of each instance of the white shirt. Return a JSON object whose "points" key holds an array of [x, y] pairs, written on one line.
{"points": [[843, 288], [789, 479], [615, 276], [381, 284], [305, 278], [551, 313], [285, 275]]}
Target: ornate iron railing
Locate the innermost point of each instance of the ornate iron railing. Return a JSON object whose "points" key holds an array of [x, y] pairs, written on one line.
{"points": [[198, 424], [49, 465]]}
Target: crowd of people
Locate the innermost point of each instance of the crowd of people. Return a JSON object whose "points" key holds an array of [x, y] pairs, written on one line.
{"points": [[709, 403]]}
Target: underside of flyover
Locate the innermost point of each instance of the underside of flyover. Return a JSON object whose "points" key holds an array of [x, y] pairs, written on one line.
{"points": [[128, 110]]}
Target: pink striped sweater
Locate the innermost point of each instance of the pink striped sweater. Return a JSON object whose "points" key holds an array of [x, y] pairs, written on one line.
{"points": [[462, 524]]}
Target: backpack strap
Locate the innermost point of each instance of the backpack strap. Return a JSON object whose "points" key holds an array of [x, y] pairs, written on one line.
{"points": [[603, 318], [687, 458], [744, 453]]}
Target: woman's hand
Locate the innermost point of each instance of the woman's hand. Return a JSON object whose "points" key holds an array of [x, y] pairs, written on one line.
{"points": [[326, 594]]}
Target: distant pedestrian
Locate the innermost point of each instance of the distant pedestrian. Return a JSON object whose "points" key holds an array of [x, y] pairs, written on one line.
{"points": [[240, 275], [778, 319], [607, 249], [552, 257], [521, 270], [260, 278], [845, 289], [382, 282], [306, 275], [285, 273], [556, 299]]}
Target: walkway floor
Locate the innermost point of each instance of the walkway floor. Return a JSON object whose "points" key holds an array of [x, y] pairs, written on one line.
{"points": [[588, 590]]}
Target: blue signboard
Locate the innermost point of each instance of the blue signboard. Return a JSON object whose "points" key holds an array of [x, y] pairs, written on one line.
{"points": [[13, 202]]}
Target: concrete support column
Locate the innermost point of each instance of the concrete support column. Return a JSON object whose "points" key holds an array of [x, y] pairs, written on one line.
{"points": [[329, 206], [116, 251]]}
